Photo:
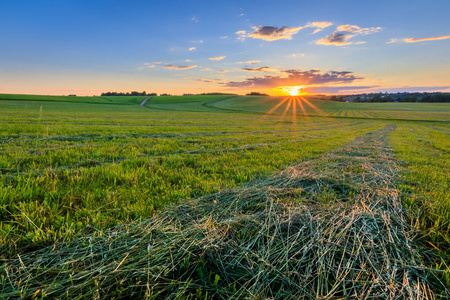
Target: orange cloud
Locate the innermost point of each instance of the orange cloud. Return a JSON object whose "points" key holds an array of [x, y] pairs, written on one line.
{"points": [[223, 71], [297, 78], [270, 33], [336, 38], [358, 30], [217, 58], [252, 62], [173, 67], [261, 69], [345, 32], [435, 38], [392, 41], [319, 25], [192, 48]]}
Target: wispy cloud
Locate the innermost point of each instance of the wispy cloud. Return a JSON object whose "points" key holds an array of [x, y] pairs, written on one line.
{"points": [[192, 49], [319, 25], [269, 33], [217, 58], [392, 41], [434, 38], [297, 54], [194, 19], [344, 33], [417, 40], [297, 77], [358, 30], [223, 71], [273, 33], [252, 62], [206, 69], [174, 67], [261, 69], [207, 80]]}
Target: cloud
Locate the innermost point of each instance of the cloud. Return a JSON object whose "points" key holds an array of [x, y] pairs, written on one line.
{"points": [[360, 43], [358, 30], [261, 69], [192, 49], [298, 54], [224, 37], [434, 38], [319, 25], [173, 67], [206, 69], [336, 38], [392, 41], [217, 58], [194, 19], [297, 77], [270, 33], [252, 62], [207, 80], [223, 71], [345, 32]]}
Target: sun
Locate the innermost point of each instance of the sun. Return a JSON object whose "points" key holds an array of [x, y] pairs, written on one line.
{"points": [[292, 90]]}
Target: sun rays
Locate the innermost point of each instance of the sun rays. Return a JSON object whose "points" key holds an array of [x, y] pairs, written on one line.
{"points": [[290, 107]]}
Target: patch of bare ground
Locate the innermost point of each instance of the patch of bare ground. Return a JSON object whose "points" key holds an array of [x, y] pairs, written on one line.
{"points": [[330, 227]]}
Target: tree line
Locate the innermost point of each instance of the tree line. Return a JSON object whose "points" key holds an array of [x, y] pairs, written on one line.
{"points": [[133, 93]]}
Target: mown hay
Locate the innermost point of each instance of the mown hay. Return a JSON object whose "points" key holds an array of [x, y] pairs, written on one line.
{"points": [[331, 227]]}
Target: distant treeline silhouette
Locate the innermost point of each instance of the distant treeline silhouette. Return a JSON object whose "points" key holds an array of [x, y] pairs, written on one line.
{"points": [[212, 94], [256, 94], [133, 93], [395, 97]]}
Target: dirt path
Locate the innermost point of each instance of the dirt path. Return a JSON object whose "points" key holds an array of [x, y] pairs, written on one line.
{"points": [[145, 101], [330, 227]]}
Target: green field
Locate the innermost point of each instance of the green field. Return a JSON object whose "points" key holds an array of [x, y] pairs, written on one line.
{"points": [[80, 169]]}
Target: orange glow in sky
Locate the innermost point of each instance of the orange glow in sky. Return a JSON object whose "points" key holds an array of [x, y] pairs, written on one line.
{"points": [[292, 90]]}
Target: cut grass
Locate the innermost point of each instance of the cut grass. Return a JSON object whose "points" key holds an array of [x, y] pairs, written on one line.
{"points": [[424, 151], [59, 175], [300, 234]]}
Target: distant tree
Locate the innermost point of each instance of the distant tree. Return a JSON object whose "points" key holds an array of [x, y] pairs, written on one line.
{"points": [[256, 94]]}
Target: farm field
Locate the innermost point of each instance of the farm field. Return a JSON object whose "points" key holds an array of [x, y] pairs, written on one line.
{"points": [[105, 180]]}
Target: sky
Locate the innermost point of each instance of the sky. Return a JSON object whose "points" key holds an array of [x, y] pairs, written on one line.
{"points": [[60, 47]]}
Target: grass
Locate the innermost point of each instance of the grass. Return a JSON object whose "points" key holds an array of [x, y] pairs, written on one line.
{"points": [[97, 181], [313, 107], [424, 151]]}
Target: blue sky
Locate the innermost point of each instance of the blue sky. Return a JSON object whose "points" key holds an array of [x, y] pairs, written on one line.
{"points": [[88, 47]]}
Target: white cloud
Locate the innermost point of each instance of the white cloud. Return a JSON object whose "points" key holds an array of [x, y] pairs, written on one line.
{"points": [[217, 58]]}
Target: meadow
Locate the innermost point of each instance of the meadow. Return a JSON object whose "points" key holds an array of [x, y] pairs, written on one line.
{"points": [[80, 169]]}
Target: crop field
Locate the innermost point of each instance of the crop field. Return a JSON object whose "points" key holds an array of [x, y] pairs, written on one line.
{"points": [[199, 197]]}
